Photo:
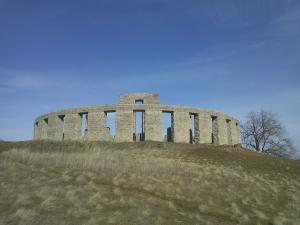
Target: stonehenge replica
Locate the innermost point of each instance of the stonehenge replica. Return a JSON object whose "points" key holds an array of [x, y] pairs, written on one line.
{"points": [[186, 124]]}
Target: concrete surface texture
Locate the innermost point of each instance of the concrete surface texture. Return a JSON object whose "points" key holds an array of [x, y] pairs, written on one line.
{"points": [[139, 117]]}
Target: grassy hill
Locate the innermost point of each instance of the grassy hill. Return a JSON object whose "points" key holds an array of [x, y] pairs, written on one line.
{"points": [[89, 183]]}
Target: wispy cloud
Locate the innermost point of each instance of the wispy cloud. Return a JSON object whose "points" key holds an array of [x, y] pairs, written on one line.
{"points": [[16, 80], [221, 52]]}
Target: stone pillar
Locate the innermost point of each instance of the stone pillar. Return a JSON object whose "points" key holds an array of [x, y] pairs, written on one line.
{"points": [[44, 129], [72, 130], [182, 127], [153, 125], [97, 127], [233, 132], [229, 131], [40, 127], [205, 128], [238, 133], [55, 128], [222, 130], [124, 126]]}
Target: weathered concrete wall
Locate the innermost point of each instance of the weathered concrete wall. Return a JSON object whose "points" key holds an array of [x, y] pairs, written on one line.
{"points": [[147, 98], [225, 132], [72, 127], [182, 125], [124, 126], [153, 125]]}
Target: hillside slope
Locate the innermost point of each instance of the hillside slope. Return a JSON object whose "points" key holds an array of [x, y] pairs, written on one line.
{"points": [[146, 183]]}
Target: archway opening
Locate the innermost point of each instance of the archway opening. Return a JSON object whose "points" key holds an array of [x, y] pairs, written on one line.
{"points": [[110, 118], [168, 126], [214, 126], [194, 130], [139, 130], [62, 126], [84, 124]]}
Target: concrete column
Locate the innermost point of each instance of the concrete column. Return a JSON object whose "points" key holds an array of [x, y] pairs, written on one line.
{"points": [[40, 128], [55, 128], [124, 126], [205, 128], [44, 129], [233, 132], [238, 133], [72, 129], [182, 127], [222, 130], [94, 125], [97, 130], [229, 132], [153, 125]]}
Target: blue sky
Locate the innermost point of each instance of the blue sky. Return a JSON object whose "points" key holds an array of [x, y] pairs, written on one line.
{"points": [[231, 56]]}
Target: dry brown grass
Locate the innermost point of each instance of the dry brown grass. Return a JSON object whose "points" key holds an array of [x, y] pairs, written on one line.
{"points": [[155, 184]]}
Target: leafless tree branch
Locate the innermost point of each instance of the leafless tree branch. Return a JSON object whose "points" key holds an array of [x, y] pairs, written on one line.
{"points": [[263, 132]]}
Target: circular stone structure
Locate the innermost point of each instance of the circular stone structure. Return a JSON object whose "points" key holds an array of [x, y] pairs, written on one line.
{"points": [[186, 124]]}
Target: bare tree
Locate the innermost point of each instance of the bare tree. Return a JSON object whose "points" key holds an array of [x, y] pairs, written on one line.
{"points": [[263, 132]]}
